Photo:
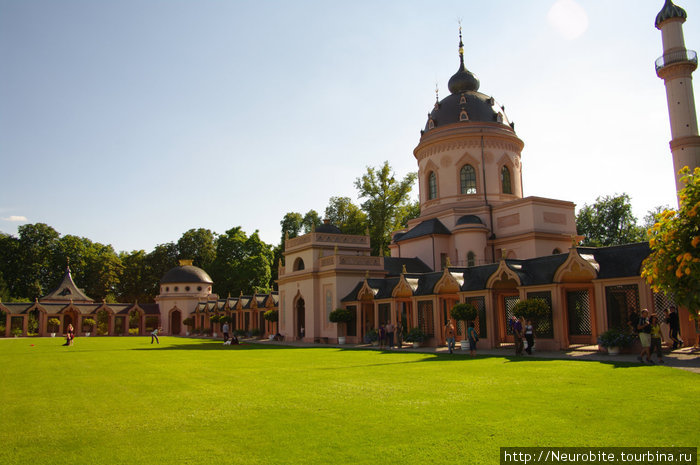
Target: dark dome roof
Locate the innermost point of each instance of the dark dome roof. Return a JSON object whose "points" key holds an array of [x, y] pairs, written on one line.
{"points": [[186, 274], [465, 103], [328, 229], [478, 107], [469, 219], [669, 11]]}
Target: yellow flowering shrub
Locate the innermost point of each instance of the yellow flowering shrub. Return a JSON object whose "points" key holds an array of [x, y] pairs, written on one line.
{"points": [[674, 263]]}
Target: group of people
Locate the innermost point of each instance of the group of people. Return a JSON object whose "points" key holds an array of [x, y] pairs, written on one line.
{"points": [[522, 329], [70, 335], [651, 335], [472, 337], [390, 335]]}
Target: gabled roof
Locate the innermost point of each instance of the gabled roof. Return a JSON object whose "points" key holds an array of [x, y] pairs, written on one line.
{"points": [[425, 228], [67, 291], [618, 261]]}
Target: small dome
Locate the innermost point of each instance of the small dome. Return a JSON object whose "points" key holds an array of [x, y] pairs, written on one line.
{"points": [[328, 228], [469, 219], [186, 274], [463, 80], [669, 11]]}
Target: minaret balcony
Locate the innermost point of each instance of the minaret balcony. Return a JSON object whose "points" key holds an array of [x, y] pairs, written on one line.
{"points": [[683, 56]]}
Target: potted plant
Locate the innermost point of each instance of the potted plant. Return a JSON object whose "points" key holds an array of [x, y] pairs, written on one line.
{"points": [[532, 309], [255, 332], [341, 316], [613, 339], [372, 337], [53, 325], [416, 336], [189, 322], [16, 332], [88, 324], [464, 312], [273, 317]]}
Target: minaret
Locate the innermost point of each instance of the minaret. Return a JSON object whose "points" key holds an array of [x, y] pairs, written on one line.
{"points": [[675, 67]]}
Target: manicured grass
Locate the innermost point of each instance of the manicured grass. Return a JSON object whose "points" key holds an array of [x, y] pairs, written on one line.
{"points": [[188, 401]]}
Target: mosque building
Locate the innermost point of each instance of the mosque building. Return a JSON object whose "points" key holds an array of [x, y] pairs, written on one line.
{"points": [[477, 240]]}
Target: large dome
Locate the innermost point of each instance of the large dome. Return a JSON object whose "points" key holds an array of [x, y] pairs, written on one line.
{"points": [[465, 103], [186, 274], [466, 107]]}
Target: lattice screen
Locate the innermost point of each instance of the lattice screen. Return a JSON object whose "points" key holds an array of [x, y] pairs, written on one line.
{"points": [[663, 302], [545, 326], [480, 323], [510, 302], [425, 317], [579, 312], [620, 301]]}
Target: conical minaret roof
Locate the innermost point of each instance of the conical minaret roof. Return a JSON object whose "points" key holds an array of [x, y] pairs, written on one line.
{"points": [[669, 11], [67, 291]]}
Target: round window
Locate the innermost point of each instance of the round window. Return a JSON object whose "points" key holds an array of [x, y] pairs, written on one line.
{"points": [[176, 289], [199, 288], [187, 288]]}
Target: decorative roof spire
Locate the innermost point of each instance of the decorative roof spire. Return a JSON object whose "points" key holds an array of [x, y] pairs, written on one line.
{"points": [[668, 11], [463, 80]]}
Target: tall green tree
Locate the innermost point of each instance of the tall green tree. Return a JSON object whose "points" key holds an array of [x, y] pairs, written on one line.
{"points": [[609, 221], [673, 266], [36, 274], [199, 246], [242, 264], [347, 216], [386, 200], [291, 226], [161, 259], [134, 284], [310, 221]]}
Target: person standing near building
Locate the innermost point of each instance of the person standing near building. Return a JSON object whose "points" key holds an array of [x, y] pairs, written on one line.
{"points": [[450, 336], [224, 329], [390, 328], [674, 328], [399, 334], [529, 336], [473, 338], [517, 327], [656, 338], [154, 336], [644, 328]]}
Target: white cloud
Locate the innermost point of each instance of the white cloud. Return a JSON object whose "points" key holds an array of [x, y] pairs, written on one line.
{"points": [[568, 18], [15, 219]]}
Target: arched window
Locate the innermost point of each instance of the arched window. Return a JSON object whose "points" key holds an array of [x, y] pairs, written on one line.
{"points": [[467, 178], [505, 181], [463, 116], [471, 258], [432, 186], [298, 264]]}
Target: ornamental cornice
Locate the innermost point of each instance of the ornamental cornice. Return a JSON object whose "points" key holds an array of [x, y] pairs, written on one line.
{"points": [[427, 150], [683, 69], [685, 142]]}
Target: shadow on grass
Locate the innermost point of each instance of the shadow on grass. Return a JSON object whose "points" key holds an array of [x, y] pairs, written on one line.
{"points": [[426, 357]]}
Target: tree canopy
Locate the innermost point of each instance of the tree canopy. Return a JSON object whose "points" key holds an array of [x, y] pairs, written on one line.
{"points": [[673, 267], [347, 216], [609, 221], [386, 203], [34, 262]]}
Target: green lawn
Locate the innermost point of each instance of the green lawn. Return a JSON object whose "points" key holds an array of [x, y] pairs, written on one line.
{"points": [[188, 401]]}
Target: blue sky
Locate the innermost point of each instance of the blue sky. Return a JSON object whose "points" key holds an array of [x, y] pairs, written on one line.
{"points": [[130, 122]]}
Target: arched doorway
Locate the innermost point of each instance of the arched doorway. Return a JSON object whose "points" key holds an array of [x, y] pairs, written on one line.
{"points": [[300, 330], [175, 321]]}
